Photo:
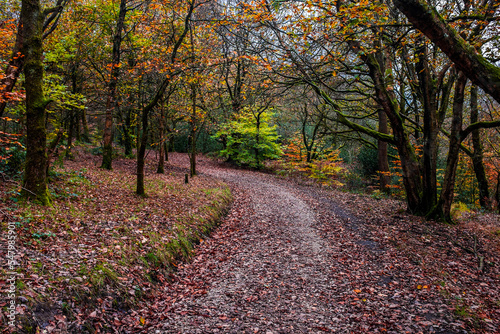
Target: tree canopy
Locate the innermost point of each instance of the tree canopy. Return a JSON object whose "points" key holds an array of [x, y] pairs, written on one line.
{"points": [[416, 83]]}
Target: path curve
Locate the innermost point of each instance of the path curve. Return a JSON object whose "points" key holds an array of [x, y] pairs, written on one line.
{"points": [[286, 260]]}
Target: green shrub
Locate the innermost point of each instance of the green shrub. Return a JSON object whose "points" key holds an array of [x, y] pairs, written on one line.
{"points": [[247, 144]]}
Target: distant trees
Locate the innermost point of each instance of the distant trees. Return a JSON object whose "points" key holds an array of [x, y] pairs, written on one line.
{"points": [[336, 73], [409, 81]]}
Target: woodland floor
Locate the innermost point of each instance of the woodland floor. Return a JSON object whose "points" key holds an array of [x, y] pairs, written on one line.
{"points": [[295, 258], [299, 259]]}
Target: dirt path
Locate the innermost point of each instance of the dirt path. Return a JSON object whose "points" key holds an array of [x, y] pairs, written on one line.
{"points": [[288, 260]]}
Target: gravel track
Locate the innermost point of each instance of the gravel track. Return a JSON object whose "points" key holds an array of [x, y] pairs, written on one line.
{"points": [[286, 260]]}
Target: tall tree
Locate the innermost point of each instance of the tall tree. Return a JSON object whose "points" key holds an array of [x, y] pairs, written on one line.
{"points": [[178, 40], [35, 177], [477, 155], [107, 150]]}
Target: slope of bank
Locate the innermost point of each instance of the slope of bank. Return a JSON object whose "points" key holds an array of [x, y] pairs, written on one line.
{"points": [[100, 249]]}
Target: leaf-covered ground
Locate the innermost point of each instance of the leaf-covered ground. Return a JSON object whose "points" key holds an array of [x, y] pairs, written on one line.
{"points": [[288, 258], [298, 259], [101, 249]]}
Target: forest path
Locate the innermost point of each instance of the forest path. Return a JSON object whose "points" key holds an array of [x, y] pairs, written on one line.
{"points": [[288, 260]]}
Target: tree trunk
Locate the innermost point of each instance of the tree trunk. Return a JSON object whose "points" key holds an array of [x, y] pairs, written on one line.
{"points": [[383, 162], [386, 98], [16, 62], [497, 192], [166, 148], [441, 211], [78, 133], [477, 157], [141, 153], [75, 113], [427, 89], [107, 151], [71, 132], [127, 138], [35, 176], [85, 126], [192, 156], [161, 158], [257, 141]]}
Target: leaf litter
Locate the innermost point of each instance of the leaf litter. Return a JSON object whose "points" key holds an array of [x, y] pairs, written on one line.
{"points": [[288, 258]]}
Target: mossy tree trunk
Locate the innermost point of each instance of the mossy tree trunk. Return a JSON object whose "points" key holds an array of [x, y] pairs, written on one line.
{"points": [[35, 175], [441, 211], [383, 162], [430, 128], [107, 151], [386, 98], [477, 156]]}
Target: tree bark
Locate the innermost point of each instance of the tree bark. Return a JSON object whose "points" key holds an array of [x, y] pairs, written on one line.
{"points": [[412, 176], [107, 151], [141, 153], [383, 162], [427, 88], [497, 192], [477, 157], [127, 138], [35, 176], [161, 158], [441, 211], [192, 136]]}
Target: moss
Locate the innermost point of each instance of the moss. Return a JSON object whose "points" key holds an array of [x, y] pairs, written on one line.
{"points": [[102, 275], [107, 157]]}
